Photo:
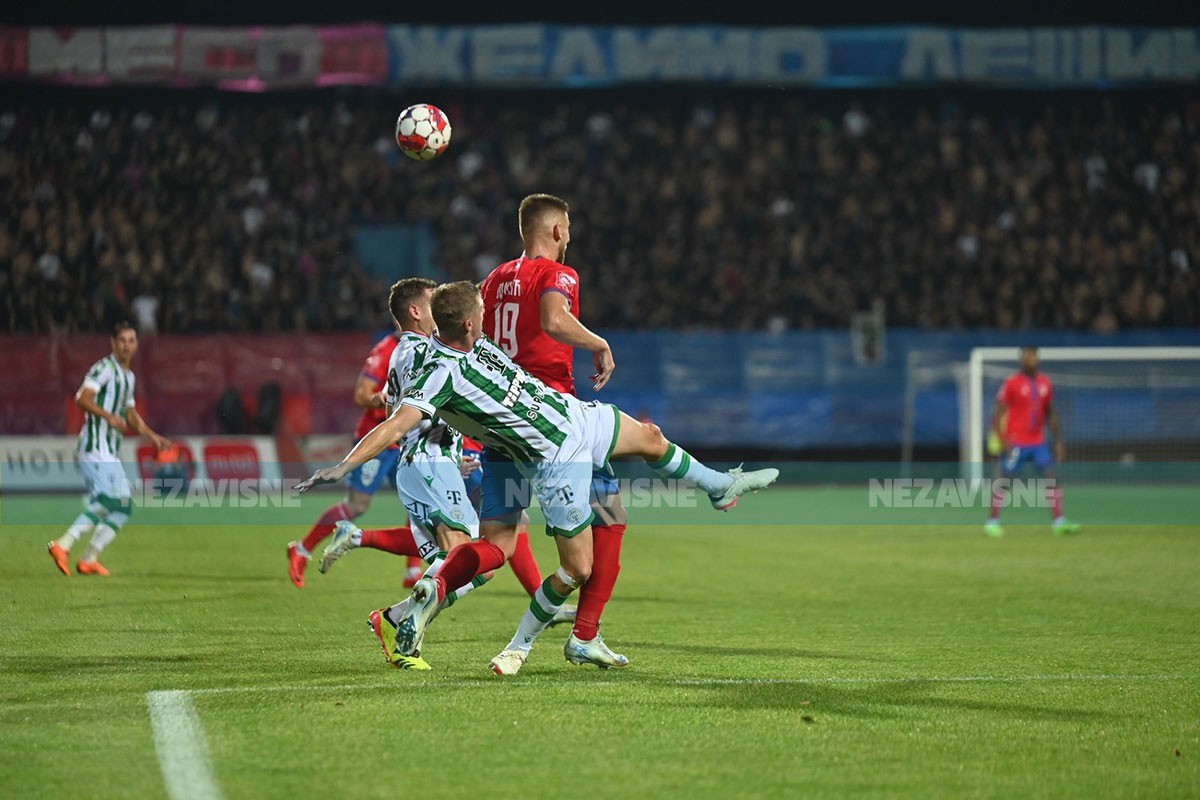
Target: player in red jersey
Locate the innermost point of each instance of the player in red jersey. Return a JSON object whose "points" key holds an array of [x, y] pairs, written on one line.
{"points": [[1026, 403], [531, 310], [369, 394]]}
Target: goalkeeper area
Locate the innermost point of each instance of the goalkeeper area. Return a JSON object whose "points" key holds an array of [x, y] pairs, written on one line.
{"points": [[788, 650], [1127, 414]]}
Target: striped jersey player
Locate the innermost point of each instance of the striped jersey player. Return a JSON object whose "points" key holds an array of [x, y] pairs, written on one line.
{"points": [[107, 399], [558, 439]]}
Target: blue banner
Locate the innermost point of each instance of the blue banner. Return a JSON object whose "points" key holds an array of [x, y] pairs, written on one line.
{"points": [[533, 55]]}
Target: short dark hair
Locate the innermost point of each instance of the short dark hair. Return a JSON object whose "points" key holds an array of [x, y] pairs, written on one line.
{"points": [[123, 325], [535, 207], [404, 292], [452, 304]]}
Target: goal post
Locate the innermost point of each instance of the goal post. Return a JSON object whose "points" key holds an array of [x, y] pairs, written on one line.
{"points": [[1098, 387]]}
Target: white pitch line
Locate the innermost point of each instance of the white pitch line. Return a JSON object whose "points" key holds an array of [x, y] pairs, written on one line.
{"points": [[1068, 677], [181, 747]]}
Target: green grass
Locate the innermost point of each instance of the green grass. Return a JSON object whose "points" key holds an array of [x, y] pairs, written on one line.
{"points": [[768, 659]]}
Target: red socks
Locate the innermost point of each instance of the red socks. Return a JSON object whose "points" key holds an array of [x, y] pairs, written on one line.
{"points": [[324, 526], [595, 594], [391, 540], [465, 562], [525, 566], [1054, 495]]}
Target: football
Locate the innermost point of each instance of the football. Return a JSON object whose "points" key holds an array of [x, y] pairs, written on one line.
{"points": [[423, 131]]}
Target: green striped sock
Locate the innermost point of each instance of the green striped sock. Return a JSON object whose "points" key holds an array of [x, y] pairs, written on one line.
{"points": [[678, 464], [544, 604]]}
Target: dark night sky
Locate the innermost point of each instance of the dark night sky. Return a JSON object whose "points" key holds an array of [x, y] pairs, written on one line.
{"points": [[737, 12]]}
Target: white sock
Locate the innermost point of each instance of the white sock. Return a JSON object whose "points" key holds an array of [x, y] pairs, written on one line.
{"points": [[302, 551], [544, 604], [678, 463], [460, 592], [100, 539], [82, 524]]}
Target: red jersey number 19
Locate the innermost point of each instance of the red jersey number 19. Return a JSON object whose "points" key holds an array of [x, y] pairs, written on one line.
{"points": [[506, 327]]}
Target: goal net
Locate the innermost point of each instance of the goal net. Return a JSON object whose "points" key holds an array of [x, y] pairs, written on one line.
{"points": [[1126, 413]]}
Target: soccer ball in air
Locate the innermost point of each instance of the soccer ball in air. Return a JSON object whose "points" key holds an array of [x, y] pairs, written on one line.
{"points": [[422, 131]]}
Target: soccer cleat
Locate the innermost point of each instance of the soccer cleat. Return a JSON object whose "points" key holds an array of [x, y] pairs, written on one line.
{"points": [[422, 607], [91, 568], [743, 482], [509, 662], [59, 555], [296, 564], [342, 543], [385, 632], [595, 652], [1064, 526], [993, 529], [411, 662], [564, 614]]}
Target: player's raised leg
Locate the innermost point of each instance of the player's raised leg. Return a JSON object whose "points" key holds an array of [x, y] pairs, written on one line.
{"points": [[670, 461]]}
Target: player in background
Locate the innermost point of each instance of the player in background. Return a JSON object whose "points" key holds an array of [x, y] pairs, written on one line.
{"points": [[531, 310], [560, 441], [369, 394], [1026, 404], [107, 399]]}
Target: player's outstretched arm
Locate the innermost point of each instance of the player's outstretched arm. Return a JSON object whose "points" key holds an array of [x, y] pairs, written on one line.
{"points": [[382, 436], [561, 325]]}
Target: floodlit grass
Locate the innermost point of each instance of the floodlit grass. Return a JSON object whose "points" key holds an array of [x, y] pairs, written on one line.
{"points": [[770, 658]]}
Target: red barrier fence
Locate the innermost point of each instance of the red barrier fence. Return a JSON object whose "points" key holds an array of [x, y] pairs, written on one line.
{"points": [[180, 378]]}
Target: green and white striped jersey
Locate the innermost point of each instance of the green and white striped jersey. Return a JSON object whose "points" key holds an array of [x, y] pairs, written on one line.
{"points": [[114, 386], [484, 394], [433, 436]]}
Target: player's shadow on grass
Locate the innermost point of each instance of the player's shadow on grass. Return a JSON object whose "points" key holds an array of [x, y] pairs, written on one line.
{"points": [[876, 701], [184, 578], [741, 652], [124, 664]]}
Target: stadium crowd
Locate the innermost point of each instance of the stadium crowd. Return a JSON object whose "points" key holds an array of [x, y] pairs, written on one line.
{"points": [[207, 212]]}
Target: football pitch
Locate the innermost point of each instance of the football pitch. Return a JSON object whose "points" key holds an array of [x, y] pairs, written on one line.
{"points": [[774, 653]]}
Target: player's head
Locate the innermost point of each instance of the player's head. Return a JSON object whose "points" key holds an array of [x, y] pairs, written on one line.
{"points": [[408, 301], [124, 341], [1029, 359], [545, 222], [458, 312]]}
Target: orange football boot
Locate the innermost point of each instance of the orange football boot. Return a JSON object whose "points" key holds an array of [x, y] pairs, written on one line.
{"points": [[91, 568], [60, 558]]}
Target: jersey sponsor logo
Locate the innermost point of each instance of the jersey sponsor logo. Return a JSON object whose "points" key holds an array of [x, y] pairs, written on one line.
{"points": [[566, 282], [233, 461]]}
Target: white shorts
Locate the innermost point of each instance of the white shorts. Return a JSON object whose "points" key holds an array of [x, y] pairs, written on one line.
{"points": [[433, 492], [105, 475], [563, 484]]}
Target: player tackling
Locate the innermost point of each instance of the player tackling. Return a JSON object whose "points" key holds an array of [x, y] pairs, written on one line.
{"points": [[1026, 404], [556, 439]]}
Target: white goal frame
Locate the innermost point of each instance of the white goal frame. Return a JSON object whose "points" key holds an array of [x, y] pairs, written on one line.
{"points": [[973, 448]]}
